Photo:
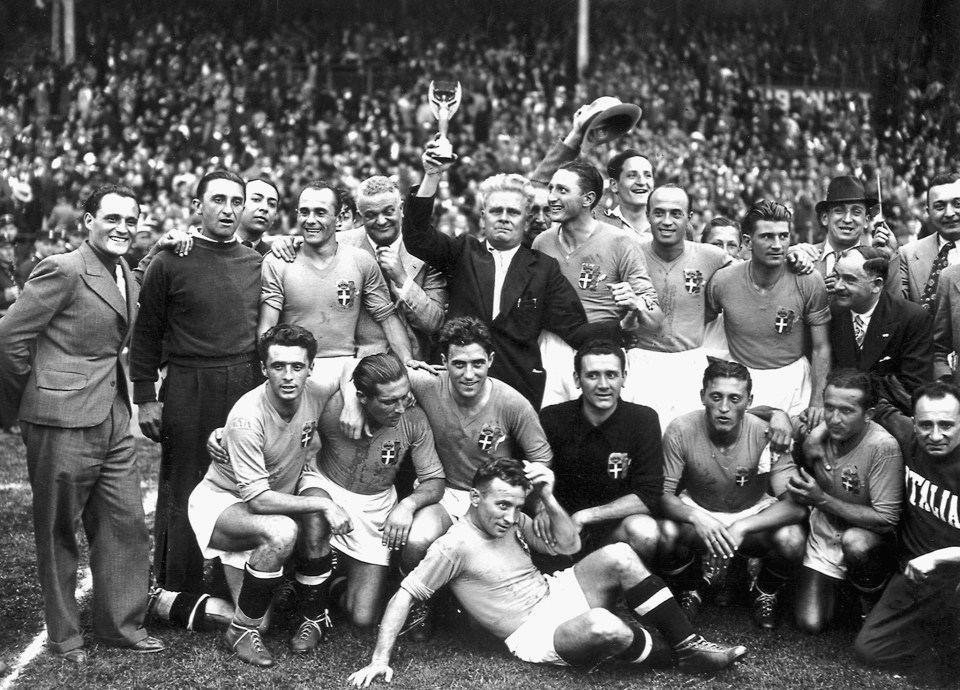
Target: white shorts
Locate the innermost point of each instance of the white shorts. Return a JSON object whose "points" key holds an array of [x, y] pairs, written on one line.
{"points": [[727, 519], [557, 359], [787, 388], [669, 382], [456, 502], [715, 339], [824, 547], [329, 368], [533, 641], [367, 512], [207, 503]]}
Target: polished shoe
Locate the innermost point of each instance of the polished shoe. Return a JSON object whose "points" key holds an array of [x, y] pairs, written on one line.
{"points": [[696, 655], [309, 634], [247, 645], [419, 623], [74, 656], [690, 601], [765, 611], [147, 645]]}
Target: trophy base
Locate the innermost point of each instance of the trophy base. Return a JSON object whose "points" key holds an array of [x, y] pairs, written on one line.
{"points": [[443, 151]]}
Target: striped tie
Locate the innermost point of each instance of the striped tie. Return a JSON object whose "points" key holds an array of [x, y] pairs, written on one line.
{"points": [[858, 330]]}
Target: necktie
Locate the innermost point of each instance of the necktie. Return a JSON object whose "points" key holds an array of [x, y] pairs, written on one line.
{"points": [[930, 289], [121, 283], [858, 330]]}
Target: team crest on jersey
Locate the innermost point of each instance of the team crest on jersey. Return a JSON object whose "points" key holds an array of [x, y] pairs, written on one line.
{"points": [[692, 281], [617, 465], [346, 293], [784, 320], [390, 452], [850, 480], [590, 276], [306, 433], [741, 476], [490, 437]]}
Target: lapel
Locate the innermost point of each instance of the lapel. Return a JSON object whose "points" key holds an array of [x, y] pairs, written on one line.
{"points": [[881, 332], [411, 264], [133, 290], [923, 258], [102, 283], [517, 278], [484, 274], [847, 353]]}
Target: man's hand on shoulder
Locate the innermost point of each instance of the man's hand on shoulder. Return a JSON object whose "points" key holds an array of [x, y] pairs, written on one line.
{"points": [[180, 242], [286, 247]]}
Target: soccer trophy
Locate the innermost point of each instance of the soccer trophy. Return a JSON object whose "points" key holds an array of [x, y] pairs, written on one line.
{"points": [[444, 100]]}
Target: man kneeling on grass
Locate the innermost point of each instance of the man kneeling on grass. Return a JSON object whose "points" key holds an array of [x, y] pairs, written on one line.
{"points": [[250, 509], [563, 619]]}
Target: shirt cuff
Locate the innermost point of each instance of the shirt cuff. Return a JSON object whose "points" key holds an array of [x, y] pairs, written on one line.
{"points": [[405, 288], [144, 392]]}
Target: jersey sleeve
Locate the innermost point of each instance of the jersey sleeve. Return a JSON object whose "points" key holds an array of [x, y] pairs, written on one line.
{"points": [[271, 282], [646, 476], [674, 458], [816, 306], [441, 565], [781, 469], [886, 481], [633, 267], [243, 438], [423, 451], [376, 296], [531, 439]]}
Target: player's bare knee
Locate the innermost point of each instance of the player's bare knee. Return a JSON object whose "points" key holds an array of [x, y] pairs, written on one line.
{"points": [[857, 546], [280, 534], [606, 629], [624, 559], [642, 534], [790, 542], [668, 536]]}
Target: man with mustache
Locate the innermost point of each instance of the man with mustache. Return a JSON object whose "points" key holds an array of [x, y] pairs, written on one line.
{"points": [[922, 262]]}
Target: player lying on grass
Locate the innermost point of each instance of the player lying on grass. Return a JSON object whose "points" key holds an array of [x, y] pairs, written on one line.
{"points": [[563, 619]]}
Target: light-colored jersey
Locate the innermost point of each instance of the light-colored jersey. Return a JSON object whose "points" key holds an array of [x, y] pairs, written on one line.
{"points": [[327, 302], [681, 285], [609, 255], [505, 427], [265, 452], [494, 579], [767, 331], [723, 482], [870, 474], [369, 465]]}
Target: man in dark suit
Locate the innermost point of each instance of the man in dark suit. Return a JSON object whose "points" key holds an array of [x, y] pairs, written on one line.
{"points": [[516, 291], [60, 347], [921, 262], [875, 332]]}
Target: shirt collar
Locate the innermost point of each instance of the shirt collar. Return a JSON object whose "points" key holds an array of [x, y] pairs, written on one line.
{"points": [[869, 313], [507, 254], [941, 241], [829, 248], [393, 245]]}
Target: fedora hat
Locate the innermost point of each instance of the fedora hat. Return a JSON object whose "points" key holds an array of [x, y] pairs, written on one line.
{"points": [[608, 118], [845, 189]]}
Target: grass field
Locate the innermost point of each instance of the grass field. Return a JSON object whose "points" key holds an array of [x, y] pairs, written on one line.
{"points": [[459, 656]]}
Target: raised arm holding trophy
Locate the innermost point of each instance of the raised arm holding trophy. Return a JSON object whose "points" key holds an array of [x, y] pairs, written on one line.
{"points": [[444, 99]]}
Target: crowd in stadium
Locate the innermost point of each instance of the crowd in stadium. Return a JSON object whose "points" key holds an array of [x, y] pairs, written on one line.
{"points": [[656, 366]]}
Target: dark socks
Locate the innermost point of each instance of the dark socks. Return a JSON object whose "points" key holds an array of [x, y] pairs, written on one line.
{"points": [[654, 606], [255, 595], [313, 585]]}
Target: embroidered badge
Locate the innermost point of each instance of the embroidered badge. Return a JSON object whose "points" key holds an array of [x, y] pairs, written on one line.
{"points": [[784, 320], [346, 292], [617, 465], [741, 476], [389, 452], [590, 276], [692, 281], [307, 433], [490, 437], [850, 480]]}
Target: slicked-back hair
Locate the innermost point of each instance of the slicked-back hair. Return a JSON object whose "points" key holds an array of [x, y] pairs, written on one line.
{"points": [[590, 179], [219, 175], [378, 184], [375, 370], [321, 184], [508, 470], [346, 201], [875, 262], [287, 335], [92, 203], [615, 164], [507, 182], [599, 347], [463, 331], [942, 179], [718, 222], [265, 181], [669, 185], [854, 379], [722, 369], [765, 210], [935, 390]]}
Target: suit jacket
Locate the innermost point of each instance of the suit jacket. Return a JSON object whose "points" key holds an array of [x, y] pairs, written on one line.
{"points": [[535, 296], [916, 261], [421, 311], [897, 347], [60, 342], [946, 324]]}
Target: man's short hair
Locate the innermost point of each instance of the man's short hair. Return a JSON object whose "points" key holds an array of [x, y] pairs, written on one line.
{"points": [[718, 222], [765, 210], [669, 185], [875, 262], [346, 201], [287, 335], [374, 370], [935, 390], [505, 469], [590, 179], [507, 182], [722, 369], [463, 331], [854, 379], [265, 181], [92, 203], [941, 179], [322, 184], [219, 175], [599, 347], [615, 165], [378, 184]]}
